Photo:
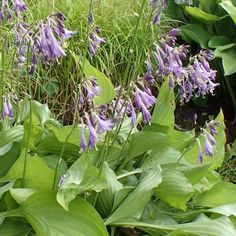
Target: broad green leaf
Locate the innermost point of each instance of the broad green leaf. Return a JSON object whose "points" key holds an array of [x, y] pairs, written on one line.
{"points": [[164, 110], [178, 233], [7, 137], [32, 135], [81, 177], [70, 134], [21, 194], [202, 227], [47, 217], [14, 228], [227, 210], [133, 205], [50, 145], [196, 33], [108, 91], [230, 8], [149, 141], [192, 154], [175, 189], [208, 5], [106, 197], [217, 41], [8, 159], [37, 173], [6, 188], [228, 57], [201, 15], [40, 112], [195, 174], [220, 194]]}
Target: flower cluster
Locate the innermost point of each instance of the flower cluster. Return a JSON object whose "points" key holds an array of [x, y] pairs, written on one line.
{"points": [[8, 7], [94, 119], [193, 76], [43, 42], [94, 36], [209, 144]]}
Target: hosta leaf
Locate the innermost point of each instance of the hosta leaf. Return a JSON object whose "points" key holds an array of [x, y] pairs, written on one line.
{"points": [[201, 15], [220, 194], [7, 137], [106, 197], [8, 159], [202, 227], [133, 205], [230, 8], [227, 210], [175, 189], [47, 217], [81, 177], [196, 33], [21, 194], [14, 228], [164, 110], [37, 173], [228, 57], [6, 187], [218, 40]]}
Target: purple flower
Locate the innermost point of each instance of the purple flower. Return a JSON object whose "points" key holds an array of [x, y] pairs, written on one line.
{"points": [[93, 137], [95, 40], [19, 6], [7, 108], [200, 156], [92, 89], [104, 125], [208, 148]]}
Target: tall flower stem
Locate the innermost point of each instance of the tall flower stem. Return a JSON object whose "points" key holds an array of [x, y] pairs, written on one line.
{"points": [[102, 154]]}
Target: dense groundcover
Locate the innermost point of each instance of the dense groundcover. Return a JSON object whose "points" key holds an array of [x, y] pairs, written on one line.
{"points": [[117, 118]]}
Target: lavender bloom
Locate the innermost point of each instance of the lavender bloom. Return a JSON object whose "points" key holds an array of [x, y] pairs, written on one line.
{"points": [[92, 89], [148, 77], [195, 79], [208, 148], [44, 41], [104, 125], [93, 138], [144, 101], [19, 6], [159, 4], [7, 108], [200, 157], [95, 40]]}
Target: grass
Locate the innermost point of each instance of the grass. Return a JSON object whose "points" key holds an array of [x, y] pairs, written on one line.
{"points": [[121, 58]]}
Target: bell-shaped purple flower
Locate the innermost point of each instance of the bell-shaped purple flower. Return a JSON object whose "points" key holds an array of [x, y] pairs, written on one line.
{"points": [[93, 137], [104, 125], [19, 6], [7, 108]]}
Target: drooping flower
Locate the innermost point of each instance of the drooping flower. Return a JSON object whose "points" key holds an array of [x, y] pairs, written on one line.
{"points": [[7, 108], [104, 125], [95, 40], [6, 11], [159, 5], [93, 137]]}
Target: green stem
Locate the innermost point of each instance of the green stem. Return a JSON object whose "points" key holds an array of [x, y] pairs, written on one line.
{"points": [[60, 157]]}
